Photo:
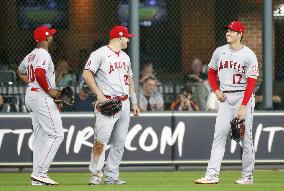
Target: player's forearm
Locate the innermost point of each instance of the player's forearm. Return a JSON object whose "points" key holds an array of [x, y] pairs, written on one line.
{"points": [[133, 96], [89, 79], [131, 85], [23, 77]]}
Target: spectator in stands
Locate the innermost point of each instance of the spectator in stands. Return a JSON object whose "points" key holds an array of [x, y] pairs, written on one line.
{"points": [[83, 100], [149, 98], [184, 101], [259, 99], [148, 71], [195, 74], [200, 94], [8, 104], [196, 81], [3, 106], [63, 73], [212, 103]]}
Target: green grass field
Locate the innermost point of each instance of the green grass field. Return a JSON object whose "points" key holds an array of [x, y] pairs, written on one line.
{"points": [[136, 181]]}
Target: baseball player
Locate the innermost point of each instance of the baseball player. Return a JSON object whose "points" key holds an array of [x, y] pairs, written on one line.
{"points": [[37, 70], [236, 67], [108, 74]]}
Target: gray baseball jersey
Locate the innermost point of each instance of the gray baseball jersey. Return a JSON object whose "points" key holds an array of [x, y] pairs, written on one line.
{"points": [[233, 67], [46, 120], [38, 58], [111, 71]]}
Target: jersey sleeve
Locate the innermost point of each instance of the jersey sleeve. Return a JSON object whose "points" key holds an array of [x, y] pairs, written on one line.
{"points": [[23, 67], [94, 62], [214, 60], [252, 66], [43, 60]]}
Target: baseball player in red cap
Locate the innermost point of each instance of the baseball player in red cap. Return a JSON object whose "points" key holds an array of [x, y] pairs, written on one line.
{"points": [[236, 67], [108, 74], [37, 70]]}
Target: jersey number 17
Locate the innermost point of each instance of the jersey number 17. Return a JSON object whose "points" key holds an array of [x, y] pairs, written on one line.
{"points": [[237, 78]]}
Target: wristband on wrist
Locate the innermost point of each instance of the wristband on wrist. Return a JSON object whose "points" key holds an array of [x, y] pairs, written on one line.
{"points": [[133, 98]]}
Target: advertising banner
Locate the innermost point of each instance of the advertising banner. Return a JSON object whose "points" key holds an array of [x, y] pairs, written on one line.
{"points": [[153, 138]]}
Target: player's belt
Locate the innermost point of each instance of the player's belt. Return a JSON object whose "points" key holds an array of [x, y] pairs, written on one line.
{"points": [[233, 91], [121, 98]]}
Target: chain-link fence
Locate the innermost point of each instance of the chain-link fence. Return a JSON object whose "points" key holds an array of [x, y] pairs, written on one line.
{"points": [[177, 39]]}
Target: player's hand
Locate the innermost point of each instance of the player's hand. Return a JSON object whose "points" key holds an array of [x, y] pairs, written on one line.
{"points": [[136, 110], [241, 112], [53, 93], [220, 96], [102, 99]]}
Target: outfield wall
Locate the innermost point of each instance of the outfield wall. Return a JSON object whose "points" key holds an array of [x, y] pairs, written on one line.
{"points": [[153, 138]]}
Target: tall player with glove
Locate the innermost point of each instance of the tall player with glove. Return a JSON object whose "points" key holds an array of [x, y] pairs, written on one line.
{"points": [[236, 67], [108, 74]]}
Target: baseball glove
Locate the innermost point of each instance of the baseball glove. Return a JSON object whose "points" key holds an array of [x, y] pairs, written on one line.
{"points": [[109, 107], [66, 96], [237, 129]]}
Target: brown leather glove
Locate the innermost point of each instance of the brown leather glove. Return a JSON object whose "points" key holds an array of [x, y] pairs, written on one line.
{"points": [[237, 129]]}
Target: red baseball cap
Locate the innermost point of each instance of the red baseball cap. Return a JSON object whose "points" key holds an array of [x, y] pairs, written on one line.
{"points": [[236, 26], [41, 33], [119, 31]]}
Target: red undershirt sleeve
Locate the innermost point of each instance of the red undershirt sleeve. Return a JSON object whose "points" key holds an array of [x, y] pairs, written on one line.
{"points": [[248, 91], [212, 79], [41, 79]]}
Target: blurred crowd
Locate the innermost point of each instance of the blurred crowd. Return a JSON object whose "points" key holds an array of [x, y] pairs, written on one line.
{"points": [[194, 94], [191, 94]]}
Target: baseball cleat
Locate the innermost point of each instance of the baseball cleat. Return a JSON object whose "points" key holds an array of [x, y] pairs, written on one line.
{"points": [[206, 180], [37, 183], [95, 180], [111, 180], [245, 180], [44, 180]]}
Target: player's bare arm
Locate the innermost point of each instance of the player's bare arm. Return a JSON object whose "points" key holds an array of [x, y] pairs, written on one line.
{"points": [[220, 96], [134, 103], [241, 112], [89, 79], [23, 77], [54, 93]]}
